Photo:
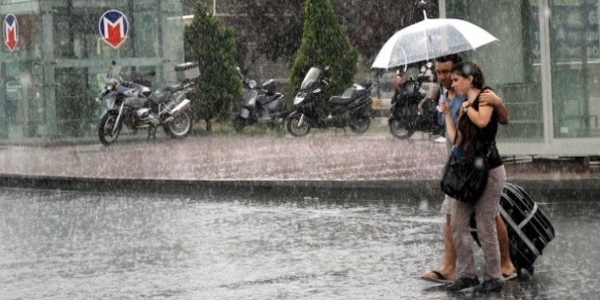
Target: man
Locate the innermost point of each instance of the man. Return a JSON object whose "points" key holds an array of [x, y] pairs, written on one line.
{"points": [[447, 274]]}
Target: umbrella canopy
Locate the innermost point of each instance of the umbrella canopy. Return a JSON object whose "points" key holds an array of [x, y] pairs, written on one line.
{"points": [[429, 39]]}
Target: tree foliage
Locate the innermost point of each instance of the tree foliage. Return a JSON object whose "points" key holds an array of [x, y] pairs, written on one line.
{"points": [[370, 25], [324, 43], [272, 28], [213, 46]]}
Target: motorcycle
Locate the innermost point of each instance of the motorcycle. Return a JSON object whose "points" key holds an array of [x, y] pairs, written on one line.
{"points": [[352, 109], [406, 117], [268, 108], [134, 105]]}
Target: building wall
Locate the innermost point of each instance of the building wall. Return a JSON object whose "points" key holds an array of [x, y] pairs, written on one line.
{"points": [[50, 81]]}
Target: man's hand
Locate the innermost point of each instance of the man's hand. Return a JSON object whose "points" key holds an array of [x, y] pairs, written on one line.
{"points": [[488, 97]]}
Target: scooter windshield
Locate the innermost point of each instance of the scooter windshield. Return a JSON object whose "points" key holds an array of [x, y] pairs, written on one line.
{"points": [[114, 72], [311, 77]]}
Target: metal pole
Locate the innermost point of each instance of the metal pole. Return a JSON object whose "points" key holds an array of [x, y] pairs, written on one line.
{"points": [[423, 4], [442, 8]]}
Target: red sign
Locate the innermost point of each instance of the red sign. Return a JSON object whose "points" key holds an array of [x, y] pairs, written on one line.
{"points": [[113, 28], [11, 32]]}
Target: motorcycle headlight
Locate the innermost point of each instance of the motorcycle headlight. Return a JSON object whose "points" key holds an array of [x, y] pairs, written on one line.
{"points": [[299, 99], [252, 84]]}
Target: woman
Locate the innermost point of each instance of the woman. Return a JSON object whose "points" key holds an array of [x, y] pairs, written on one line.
{"points": [[477, 123]]}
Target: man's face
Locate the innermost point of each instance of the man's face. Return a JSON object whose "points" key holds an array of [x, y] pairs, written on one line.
{"points": [[443, 73], [398, 79]]}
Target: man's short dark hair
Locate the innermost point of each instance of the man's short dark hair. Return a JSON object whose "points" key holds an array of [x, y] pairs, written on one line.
{"points": [[454, 58]]}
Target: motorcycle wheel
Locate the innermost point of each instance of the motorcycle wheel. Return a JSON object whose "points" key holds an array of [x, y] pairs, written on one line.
{"points": [[180, 127], [399, 130], [238, 124], [360, 125], [107, 124], [298, 130], [279, 124]]}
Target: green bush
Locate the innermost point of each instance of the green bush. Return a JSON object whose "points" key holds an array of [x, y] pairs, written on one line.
{"points": [[325, 43], [213, 47]]}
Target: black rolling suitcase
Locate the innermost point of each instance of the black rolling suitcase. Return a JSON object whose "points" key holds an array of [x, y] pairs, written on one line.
{"points": [[529, 230]]}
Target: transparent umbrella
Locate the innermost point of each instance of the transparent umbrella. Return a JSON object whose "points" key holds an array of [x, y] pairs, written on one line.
{"points": [[429, 39]]}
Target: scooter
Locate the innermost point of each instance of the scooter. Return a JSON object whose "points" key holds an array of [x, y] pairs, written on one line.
{"points": [[406, 117], [268, 108], [352, 109]]}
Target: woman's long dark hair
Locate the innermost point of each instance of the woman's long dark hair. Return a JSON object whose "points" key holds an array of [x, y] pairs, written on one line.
{"points": [[467, 128]]}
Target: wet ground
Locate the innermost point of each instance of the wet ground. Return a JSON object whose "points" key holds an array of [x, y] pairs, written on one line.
{"points": [[322, 165], [331, 216], [73, 245]]}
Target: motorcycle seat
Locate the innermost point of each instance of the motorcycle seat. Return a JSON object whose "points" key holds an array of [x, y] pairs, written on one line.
{"points": [[160, 97], [174, 88], [266, 99], [360, 93], [340, 100]]}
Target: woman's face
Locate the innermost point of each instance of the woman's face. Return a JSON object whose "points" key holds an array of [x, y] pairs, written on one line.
{"points": [[461, 85]]}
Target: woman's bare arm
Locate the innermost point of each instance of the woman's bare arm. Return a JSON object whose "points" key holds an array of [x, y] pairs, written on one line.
{"points": [[480, 117], [489, 97]]}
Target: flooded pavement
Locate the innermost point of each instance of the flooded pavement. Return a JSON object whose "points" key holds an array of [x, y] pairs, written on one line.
{"points": [[323, 157], [326, 165], [243, 217], [73, 245]]}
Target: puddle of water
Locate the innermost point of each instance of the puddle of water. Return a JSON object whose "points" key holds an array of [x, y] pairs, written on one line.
{"points": [[62, 245]]}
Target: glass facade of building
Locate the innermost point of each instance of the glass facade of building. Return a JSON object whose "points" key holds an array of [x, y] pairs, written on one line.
{"points": [[546, 66], [51, 78]]}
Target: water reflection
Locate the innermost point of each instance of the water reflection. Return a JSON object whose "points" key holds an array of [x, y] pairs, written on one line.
{"points": [[62, 245]]}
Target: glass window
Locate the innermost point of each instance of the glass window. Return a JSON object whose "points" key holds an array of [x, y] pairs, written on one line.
{"points": [[20, 98], [575, 65], [76, 109], [56, 97], [511, 65], [146, 38]]}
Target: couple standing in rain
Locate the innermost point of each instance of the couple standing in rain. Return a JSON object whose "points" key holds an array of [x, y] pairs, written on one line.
{"points": [[470, 111]]}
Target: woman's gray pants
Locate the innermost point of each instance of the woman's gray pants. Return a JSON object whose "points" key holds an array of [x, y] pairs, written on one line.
{"points": [[486, 210]]}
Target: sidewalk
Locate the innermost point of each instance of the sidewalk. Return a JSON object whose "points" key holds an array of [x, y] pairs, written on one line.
{"points": [[326, 164]]}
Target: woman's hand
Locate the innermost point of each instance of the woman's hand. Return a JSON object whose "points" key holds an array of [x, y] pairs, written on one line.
{"points": [[465, 105]]}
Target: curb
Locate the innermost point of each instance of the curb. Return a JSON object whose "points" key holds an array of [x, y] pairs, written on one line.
{"points": [[388, 190]]}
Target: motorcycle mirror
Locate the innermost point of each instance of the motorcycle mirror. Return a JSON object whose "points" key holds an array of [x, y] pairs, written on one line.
{"points": [[252, 84]]}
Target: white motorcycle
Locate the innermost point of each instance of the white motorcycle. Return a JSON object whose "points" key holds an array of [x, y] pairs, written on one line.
{"points": [[133, 104]]}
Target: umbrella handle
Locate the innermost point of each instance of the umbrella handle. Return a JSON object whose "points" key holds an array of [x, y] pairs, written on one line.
{"points": [[405, 59]]}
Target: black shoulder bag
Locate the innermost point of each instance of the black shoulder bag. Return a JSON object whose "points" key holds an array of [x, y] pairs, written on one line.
{"points": [[465, 178]]}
